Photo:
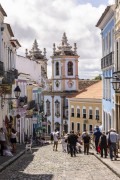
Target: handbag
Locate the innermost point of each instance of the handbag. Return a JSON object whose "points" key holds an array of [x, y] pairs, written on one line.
{"points": [[98, 149]]}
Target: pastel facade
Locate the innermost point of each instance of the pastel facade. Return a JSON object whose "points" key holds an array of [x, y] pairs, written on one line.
{"points": [[116, 74], [106, 24], [85, 109]]}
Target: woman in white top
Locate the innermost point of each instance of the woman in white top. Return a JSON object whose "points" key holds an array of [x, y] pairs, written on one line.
{"points": [[13, 140]]}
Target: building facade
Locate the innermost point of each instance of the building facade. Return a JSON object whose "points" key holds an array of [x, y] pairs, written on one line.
{"points": [[106, 24], [64, 83], [8, 71], [86, 109]]}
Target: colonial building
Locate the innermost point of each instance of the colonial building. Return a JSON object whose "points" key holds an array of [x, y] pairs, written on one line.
{"points": [[116, 74], [106, 25], [64, 83], [8, 71], [37, 63], [85, 109]]}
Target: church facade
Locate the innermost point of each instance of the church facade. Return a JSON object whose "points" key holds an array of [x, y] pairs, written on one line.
{"points": [[64, 84]]}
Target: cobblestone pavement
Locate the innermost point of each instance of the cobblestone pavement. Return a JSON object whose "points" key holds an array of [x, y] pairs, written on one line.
{"points": [[46, 164]]}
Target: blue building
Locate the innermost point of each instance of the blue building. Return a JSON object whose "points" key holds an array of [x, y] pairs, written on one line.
{"points": [[106, 24]]}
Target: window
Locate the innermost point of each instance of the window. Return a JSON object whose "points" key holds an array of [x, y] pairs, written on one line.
{"points": [[78, 112], [57, 68], [90, 128], [97, 114], [48, 107], [84, 127], [70, 68], [57, 108], [90, 114], [72, 126], [84, 113], [78, 126], [72, 112]]}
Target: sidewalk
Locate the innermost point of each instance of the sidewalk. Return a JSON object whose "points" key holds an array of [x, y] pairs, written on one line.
{"points": [[112, 165], [6, 160]]}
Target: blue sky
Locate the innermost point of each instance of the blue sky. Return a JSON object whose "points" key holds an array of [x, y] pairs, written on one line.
{"points": [[95, 3]]}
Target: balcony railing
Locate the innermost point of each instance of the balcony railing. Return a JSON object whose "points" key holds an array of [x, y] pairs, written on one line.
{"points": [[1, 69], [107, 60], [10, 76]]}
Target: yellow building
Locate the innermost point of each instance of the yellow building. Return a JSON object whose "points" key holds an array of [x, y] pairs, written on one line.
{"points": [[85, 109]]}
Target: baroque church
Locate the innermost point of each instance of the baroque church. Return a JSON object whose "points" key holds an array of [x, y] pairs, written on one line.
{"points": [[64, 84]]}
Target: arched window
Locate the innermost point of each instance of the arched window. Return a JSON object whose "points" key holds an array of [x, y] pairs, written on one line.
{"points": [[90, 113], [70, 68], [48, 108], [97, 114], [78, 112], [84, 112], [57, 108], [57, 68]]}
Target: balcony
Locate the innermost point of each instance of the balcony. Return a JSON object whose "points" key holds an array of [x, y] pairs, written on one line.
{"points": [[31, 104], [107, 60], [10, 76], [1, 69], [22, 101]]}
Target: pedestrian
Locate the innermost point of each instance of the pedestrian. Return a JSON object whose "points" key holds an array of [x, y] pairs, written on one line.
{"points": [[72, 140], [51, 137], [103, 144], [86, 140], [13, 139], [112, 140], [2, 140], [64, 143], [97, 135], [55, 138]]}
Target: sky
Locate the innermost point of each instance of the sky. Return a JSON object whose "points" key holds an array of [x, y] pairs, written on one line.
{"points": [[47, 20]]}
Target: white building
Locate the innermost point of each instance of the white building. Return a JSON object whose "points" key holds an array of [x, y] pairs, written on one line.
{"points": [[64, 84]]}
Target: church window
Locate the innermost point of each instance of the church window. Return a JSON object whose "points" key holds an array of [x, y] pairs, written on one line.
{"points": [[48, 108], [57, 108], [57, 68], [70, 68]]}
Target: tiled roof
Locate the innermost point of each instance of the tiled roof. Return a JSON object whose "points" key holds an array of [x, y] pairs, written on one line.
{"points": [[83, 84], [92, 92]]}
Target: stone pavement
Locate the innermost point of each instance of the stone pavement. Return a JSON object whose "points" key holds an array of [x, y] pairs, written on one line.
{"points": [[46, 164], [7, 160]]}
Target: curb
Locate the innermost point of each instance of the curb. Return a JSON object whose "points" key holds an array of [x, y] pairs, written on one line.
{"points": [[111, 168], [10, 161]]}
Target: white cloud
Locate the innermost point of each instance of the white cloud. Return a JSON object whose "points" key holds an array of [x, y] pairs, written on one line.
{"points": [[111, 1], [46, 21]]}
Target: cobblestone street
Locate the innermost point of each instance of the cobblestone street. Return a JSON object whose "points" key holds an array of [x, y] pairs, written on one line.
{"points": [[46, 164]]}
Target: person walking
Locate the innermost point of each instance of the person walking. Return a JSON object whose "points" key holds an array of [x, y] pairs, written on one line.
{"points": [[103, 144], [97, 135], [72, 140], [55, 138], [13, 139], [86, 140], [2, 140], [112, 140]]}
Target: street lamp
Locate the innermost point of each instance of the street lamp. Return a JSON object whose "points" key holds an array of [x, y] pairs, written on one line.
{"points": [[116, 84], [17, 92]]}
